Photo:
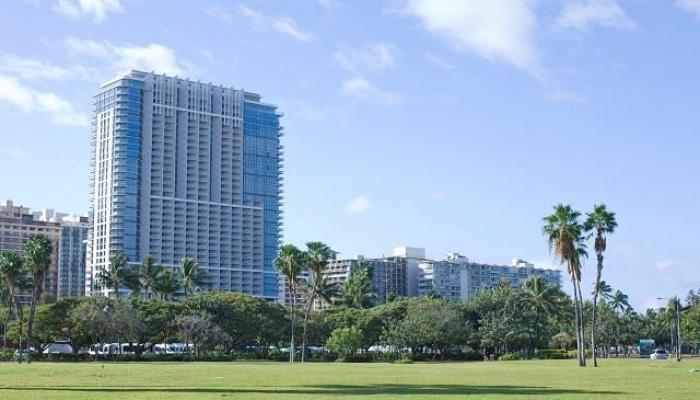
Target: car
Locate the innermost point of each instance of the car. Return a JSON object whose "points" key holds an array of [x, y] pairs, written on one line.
{"points": [[58, 348], [659, 354]]}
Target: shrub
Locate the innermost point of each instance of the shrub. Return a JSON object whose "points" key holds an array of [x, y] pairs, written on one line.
{"points": [[509, 357], [553, 354]]}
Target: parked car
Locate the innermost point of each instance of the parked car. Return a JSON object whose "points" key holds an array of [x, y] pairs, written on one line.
{"points": [[22, 354], [58, 348], [659, 354]]}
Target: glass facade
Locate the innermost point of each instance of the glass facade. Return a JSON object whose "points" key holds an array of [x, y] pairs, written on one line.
{"points": [[261, 183]]}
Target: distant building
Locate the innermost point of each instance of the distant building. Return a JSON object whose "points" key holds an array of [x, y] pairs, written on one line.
{"points": [[457, 278], [71, 256], [182, 168], [388, 276], [17, 224]]}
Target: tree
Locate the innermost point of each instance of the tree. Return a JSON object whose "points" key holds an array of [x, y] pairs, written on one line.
{"points": [[564, 235], [37, 250], [345, 341], [148, 274], [118, 274], [316, 259], [599, 224], [167, 284], [619, 302], [541, 299], [357, 289], [11, 275], [288, 263], [189, 274]]}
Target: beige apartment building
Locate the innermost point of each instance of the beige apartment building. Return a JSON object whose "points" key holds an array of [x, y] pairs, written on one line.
{"points": [[17, 224]]}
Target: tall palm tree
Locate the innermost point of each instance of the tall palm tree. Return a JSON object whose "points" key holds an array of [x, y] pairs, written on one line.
{"points": [[316, 259], [11, 274], [357, 289], [189, 274], [619, 302], [288, 263], [564, 235], [118, 274], [37, 252], [148, 274], [599, 223], [167, 284]]}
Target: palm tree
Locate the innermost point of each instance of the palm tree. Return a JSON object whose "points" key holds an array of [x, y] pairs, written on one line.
{"points": [[316, 259], [118, 274], [357, 289], [166, 284], [599, 223], [11, 274], [190, 274], [540, 298], [564, 235], [148, 274], [619, 302], [37, 251], [288, 263], [604, 290]]}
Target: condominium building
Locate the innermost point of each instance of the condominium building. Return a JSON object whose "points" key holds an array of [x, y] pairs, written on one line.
{"points": [[186, 169], [457, 278], [388, 276], [17, 224]]}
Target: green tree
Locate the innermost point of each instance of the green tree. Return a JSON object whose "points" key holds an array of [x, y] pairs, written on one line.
{"points": [[357, 289], [37, 250], [189, 274], [541, 299], [317, 287], [345, 341], [619, 302], [118, 274], [167, 284], [11, 275], [599, 224], [148, 275], [564, 234], [288, 263]]}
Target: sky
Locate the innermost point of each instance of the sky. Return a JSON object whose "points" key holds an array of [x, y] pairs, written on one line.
{"points": [[449, 125]]}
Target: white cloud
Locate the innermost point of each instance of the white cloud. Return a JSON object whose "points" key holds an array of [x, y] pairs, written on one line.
{"points": [[374, 57], [283, 25], [692, 6], [497, 30], [96, 9], [150, 57], [439, 61], [29, 100], [358, 205], [219, 12], [27, 68], [363, 89], [583, 14]]}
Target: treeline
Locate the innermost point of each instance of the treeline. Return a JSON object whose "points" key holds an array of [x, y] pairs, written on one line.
{"points": [[535, 321]]}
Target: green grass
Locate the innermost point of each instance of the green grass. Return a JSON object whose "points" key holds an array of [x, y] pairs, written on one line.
{"points": [[614, 379]]}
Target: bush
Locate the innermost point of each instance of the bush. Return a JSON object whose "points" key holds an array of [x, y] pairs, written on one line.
{"points": [[403, 360], [572, 354], [509, 357], [554, 354]]}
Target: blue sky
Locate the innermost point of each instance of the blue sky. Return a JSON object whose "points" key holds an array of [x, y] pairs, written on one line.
{"points": [[441, 124]]}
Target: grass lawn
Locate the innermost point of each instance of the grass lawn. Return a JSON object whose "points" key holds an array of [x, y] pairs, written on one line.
{"points": [[614, 379]]}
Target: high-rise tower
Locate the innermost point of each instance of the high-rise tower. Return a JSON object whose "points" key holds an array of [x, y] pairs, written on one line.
{"points": [[186, 169]]}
